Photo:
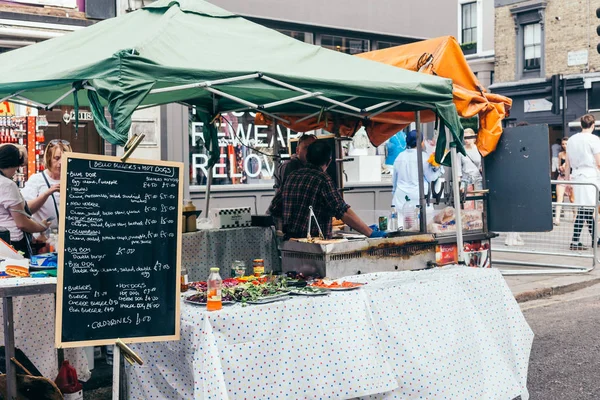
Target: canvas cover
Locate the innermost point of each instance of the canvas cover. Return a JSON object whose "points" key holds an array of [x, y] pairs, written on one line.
{"points": [[121, 62], [443, 57]]}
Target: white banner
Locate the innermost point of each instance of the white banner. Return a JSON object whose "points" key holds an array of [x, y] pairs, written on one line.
{"points": [[57, 3]]}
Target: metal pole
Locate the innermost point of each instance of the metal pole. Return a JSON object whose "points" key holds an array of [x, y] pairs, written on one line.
{"points": [[210, 170], [422, 205], [116, 372], [564, 106], [276, 148], [9, 349], [456, 196]]}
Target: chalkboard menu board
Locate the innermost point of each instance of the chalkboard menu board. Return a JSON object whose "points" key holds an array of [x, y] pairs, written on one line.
{"points": [[119, 258]]}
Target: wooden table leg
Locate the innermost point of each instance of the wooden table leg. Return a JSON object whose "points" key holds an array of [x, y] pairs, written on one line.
{"points": [[9, 349]]}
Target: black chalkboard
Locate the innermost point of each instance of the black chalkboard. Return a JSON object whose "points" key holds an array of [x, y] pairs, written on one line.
{"points": [[518, 177], [119, 258]]}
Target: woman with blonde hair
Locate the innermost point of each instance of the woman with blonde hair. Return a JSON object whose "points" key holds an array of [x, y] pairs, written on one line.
{"points": [[41, 189]]}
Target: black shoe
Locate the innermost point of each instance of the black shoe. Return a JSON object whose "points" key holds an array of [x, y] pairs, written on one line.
{"points": [[578, 246]]}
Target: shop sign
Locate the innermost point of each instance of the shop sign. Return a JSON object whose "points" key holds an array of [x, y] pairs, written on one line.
{"points": [[575, 58], [536, 105], [57, 3], [7, 108], [83, 116], [243, 132]]}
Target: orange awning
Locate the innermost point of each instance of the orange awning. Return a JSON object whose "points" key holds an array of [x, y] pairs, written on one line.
{"points": [[443, 57]]}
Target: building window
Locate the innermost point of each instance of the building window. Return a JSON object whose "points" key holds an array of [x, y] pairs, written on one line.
{"points": [[532, 46], [301, 36], [386, 45], [529, 18], [469, 28], [344, 44]]}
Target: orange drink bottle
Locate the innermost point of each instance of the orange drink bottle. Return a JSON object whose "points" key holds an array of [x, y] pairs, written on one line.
{"points": [[213, 294]]}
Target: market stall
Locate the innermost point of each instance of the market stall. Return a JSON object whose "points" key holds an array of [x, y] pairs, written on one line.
{"points": [[428, 334], [144, 59]]}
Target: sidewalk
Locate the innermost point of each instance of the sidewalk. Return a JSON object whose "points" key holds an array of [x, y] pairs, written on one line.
{"points": [[531, 287]]}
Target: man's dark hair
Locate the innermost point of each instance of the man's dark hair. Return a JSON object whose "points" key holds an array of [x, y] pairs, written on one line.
{"points": [[10, 156], [319, 153], [587, 121], [305, 137]]}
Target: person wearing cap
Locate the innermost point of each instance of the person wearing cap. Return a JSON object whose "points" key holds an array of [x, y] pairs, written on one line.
{"points": [[405, 176], [312, 187], [12, 204]]}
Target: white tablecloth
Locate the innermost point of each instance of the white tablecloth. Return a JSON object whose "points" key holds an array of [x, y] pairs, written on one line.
{"points": [[34, 330], [445, 333]]}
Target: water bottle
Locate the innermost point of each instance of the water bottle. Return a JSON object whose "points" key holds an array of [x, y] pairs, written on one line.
{"points": [[214, 286], [410, 213], [393, 223]]}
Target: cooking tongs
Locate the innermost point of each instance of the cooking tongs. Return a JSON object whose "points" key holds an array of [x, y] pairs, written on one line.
{"points": [[311, 215]]}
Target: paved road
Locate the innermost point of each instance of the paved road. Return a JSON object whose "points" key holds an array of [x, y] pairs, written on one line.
{"points": [[565, 359]]}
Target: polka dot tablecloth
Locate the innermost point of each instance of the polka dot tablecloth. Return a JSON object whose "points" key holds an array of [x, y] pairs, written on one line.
{"points": [[440, 334], [204, 249], [34, 330]]}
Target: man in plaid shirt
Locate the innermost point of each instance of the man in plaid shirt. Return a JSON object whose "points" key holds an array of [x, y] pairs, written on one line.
{"points": [[311, 186]]}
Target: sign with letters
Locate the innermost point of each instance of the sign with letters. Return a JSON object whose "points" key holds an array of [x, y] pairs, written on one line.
{"points": [[119, 258]]}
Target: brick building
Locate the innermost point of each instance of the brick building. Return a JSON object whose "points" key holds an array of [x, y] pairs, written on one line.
{"points": [[536, 39]]}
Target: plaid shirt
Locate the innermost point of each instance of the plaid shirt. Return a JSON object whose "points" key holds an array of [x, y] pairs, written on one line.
{"points": [[308, 186]]}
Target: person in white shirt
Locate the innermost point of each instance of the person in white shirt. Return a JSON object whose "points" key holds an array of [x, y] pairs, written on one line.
{"points": [[12, 205], [583, 163], [470, 171], [405, 177], [555, 149], [42, 189]]}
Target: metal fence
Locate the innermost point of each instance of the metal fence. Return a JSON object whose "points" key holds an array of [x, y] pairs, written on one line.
{"points": [[561, 254]]}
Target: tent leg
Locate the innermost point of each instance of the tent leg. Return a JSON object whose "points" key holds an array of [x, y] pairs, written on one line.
{"points": [[208, 184], [422, 205], [456, 196]]}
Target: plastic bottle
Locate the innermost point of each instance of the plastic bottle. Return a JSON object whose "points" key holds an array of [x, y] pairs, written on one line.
{"points": [[184, 279], [393, 224], [410, 214], [214, 286]]}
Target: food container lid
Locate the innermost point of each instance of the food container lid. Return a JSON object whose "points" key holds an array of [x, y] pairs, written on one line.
{"points": [[214, 269], [259, 260]]}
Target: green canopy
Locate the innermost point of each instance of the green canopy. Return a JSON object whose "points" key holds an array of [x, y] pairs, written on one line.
{"points": [[193, 52]]}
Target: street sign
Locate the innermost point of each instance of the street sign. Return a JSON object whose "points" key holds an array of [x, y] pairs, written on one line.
{"points": [[577, 58]]}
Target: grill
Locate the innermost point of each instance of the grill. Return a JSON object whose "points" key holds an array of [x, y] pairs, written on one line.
{"points": [[355, 257]]}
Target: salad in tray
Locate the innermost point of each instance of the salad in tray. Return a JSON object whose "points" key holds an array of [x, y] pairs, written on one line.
{"points": [[250, 290]]}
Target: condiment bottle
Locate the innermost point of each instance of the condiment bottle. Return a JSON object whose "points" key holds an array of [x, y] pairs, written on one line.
{"points": [[190, 208], [259, 267], [184, 279], [213, 295]]}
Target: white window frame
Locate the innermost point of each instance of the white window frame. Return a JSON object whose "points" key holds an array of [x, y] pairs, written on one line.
{"points": [[479, 4]]}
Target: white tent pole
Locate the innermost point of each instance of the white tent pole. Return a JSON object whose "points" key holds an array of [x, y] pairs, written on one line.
{"points": [[384, 109], [291, 100], [231, 97], [456, 195], [11, 95], [35, 103], [210, 170], [376, 106], [203, 84], [421, 200], [327, 99], [60, 98], [330, 108]]}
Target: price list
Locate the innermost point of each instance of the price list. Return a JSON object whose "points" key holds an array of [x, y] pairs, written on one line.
{"points": [[119, 273]]}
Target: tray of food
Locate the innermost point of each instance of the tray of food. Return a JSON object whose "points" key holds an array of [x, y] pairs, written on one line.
{"points": [[269, 299], [309, 291], [335, 285]]}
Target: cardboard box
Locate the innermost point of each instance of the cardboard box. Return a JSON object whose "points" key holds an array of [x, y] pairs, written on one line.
{"points": [[231, 217]]}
